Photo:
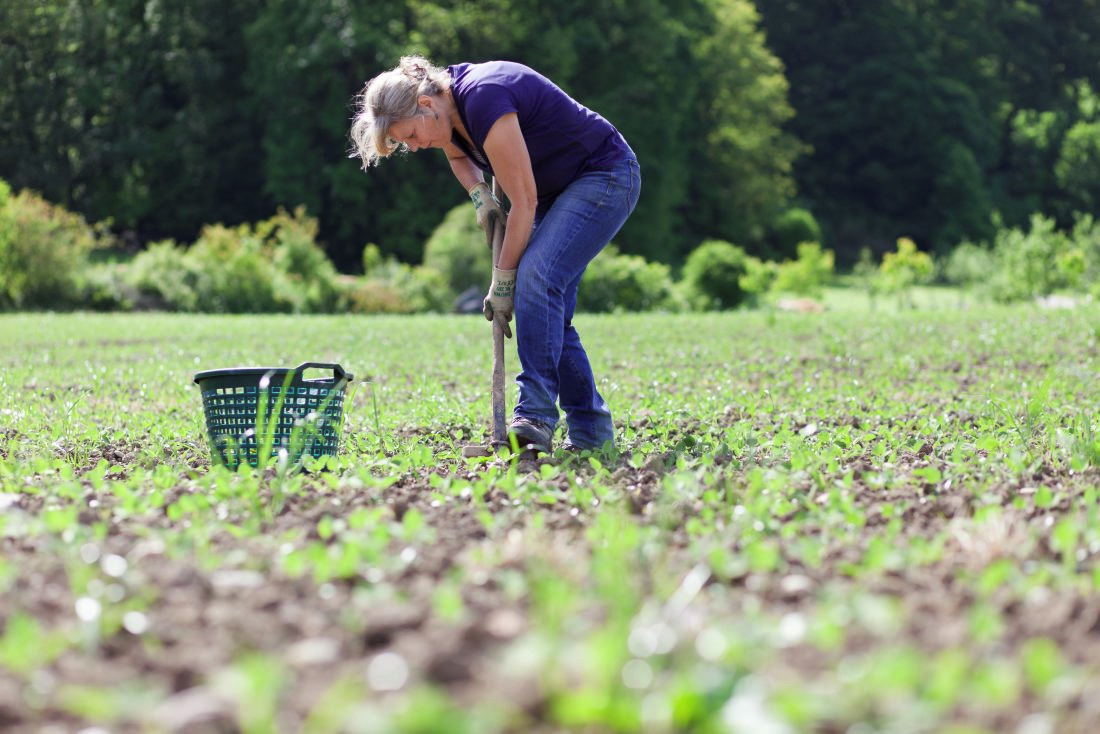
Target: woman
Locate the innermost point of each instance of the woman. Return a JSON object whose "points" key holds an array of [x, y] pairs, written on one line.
{"points": [[572, 181]]}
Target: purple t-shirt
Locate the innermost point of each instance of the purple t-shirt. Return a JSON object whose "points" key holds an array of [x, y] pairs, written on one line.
{"points": [[564, 138]]}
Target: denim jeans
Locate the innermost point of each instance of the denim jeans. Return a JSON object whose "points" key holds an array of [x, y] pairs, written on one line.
{"points": [[555, 368]]}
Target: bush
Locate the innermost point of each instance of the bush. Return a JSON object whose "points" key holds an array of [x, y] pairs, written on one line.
{"points": [[808, 275], [293, 241], [43, 250], [712, 275], [457, 250], [363, 295], [759, 276], [1078, 166], [271, 266], [394, 287], [905, 267], [166, 277], [791, 228], [239, 275], [107, 287], [617, 282], [969, 265], [1025, 263], [1086, 240]]}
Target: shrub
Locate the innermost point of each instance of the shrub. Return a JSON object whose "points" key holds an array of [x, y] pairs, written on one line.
{"points": [[905, 267], [293, 240], [107, 287], [969, 265], [1078, 166], [617, 282], [793, 227], [394, 287], [239, 275], [457, 250], [712, 275], [372, 258], [1025, 262], [759, 276], [271, 266], [43, 250], [808, 275], [1085, 237], [365, 295], [166, 277]]}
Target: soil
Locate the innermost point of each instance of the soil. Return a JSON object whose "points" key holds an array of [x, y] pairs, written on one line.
{"points": [[323, 631]]}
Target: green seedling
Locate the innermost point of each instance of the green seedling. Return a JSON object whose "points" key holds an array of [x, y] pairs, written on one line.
{"points": [[828, 477]]}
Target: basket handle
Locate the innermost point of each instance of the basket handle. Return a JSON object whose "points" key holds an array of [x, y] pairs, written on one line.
{"points": [[338, 372]]}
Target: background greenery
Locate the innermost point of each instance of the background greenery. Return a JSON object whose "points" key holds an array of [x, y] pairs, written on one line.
{"points": [[940, 121]]}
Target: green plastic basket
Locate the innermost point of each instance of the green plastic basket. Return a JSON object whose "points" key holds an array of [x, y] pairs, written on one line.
{"points": [[302, 417]]}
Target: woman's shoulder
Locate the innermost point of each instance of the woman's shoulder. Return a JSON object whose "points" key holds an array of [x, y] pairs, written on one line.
{"points": [[504, 73]]}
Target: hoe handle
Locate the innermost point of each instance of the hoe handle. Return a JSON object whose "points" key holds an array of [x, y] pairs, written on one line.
{"points": [[500, 435]]}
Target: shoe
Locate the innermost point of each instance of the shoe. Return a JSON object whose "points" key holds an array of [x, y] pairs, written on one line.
{"points": [[531, 435]]}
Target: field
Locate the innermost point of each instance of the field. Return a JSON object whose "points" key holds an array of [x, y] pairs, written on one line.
{"points": [[843, 522]]}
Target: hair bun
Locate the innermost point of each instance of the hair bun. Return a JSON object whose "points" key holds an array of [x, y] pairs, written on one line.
{"points": [[415, 67]]}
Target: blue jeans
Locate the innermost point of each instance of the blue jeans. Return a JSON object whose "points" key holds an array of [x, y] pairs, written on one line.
{"points": [[555, 368]]}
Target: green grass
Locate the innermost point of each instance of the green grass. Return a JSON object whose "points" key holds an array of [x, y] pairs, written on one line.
{"points": [[860, 520]]}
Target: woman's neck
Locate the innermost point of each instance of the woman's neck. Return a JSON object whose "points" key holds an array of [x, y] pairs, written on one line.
{"points": [[456, 119]]}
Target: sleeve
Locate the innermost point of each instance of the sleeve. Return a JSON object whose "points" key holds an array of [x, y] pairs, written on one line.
{"points": [[486, 104]]}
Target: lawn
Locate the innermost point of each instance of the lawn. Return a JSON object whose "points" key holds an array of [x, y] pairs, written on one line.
{"points": [[852, 521]]}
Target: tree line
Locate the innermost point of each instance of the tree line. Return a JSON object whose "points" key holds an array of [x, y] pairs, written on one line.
{"points": [[936, 119]]}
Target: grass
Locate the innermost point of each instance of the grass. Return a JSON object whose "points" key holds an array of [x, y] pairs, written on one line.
{"points": [[843, 522]]}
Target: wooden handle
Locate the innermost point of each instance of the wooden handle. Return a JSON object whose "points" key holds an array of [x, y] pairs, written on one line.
{"points": [[500, 433]]}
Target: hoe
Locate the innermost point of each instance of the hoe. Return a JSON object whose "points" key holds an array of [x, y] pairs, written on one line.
{"points": [[499, 437]]}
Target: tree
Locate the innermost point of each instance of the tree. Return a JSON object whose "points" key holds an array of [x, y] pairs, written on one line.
{"points": [[931, 118], [689, 83]]}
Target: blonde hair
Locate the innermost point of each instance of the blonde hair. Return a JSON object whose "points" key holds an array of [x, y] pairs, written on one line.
{"points": [[388, 98]]}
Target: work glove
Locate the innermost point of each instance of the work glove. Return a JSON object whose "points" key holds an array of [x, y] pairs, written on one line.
{"points": [[499, 304], [488, 210]]}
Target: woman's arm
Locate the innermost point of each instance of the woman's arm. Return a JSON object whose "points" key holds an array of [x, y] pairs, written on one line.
{"points": [[464, 169], [507, 153]]}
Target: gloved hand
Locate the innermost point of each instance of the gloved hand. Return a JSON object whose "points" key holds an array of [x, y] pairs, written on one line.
{"points": [[487, 208], [499, 304]]}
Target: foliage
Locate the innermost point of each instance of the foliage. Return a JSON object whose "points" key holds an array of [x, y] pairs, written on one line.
{"points": [[457, 249], [902, 269], [969, 265], [108, 287], [906, 266], [617, 282], [1085, 237], [805, 276], [701, 74], [741, 170], [850, 481], [712, 275], [1078, 166], [274, 265], [929, 117], [395, 287], [1026, 262], [759, 276], [808, 274], [791, 228], [169, 278], [43, 249], [171, 115]]}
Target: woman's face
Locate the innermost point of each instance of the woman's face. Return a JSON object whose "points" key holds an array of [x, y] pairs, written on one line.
{"points": [[430, 128]]}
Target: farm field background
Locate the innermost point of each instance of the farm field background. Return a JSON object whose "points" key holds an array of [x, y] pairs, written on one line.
{"points": [[853, 521]]}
